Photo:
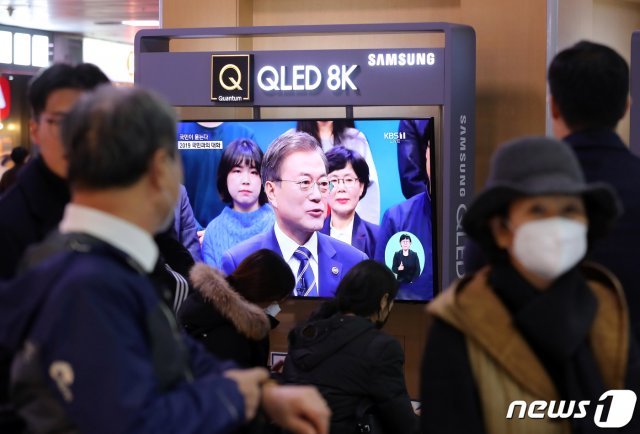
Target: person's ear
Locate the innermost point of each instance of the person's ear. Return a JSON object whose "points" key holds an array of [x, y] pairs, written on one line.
{"points": [[160, 169], [502, 235], [270, 191], [627, 105], [555, 109], [384, 302], [33, 131]]}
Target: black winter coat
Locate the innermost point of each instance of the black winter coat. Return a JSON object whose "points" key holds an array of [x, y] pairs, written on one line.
{"points": [[229, 326], [28, 212], [605, 158], [348, 359]]}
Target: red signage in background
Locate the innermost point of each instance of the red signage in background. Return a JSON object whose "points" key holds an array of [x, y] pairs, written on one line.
{"points": [[5, 98]]}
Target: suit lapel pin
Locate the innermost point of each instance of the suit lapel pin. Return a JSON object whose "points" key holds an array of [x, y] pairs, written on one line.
{"points": [[335, 270]]}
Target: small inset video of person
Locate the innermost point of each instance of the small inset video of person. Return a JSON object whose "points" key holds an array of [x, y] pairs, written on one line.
{"points": [[406, 263]]}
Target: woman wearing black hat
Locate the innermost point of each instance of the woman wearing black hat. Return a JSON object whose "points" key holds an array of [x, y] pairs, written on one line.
{"points": [[537, 324]]}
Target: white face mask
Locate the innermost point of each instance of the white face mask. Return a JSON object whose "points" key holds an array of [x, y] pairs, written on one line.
{"points": [[550, 247]]}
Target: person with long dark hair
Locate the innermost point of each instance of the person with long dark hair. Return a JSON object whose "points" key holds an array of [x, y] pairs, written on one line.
{"points": [[240, 186], [342, 351], [233, 315]]}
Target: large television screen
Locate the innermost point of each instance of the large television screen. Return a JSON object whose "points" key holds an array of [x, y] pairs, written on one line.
{"points": [[390, 219]]}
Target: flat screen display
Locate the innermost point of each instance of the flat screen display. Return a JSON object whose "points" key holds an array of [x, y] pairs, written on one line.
{"points": [[390, 220]]}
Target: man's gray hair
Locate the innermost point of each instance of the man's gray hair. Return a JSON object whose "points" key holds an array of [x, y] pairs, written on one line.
{"points": [[111, 135], [285, 145]]}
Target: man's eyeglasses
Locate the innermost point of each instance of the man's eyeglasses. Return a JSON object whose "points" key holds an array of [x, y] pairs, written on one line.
{"points": [[348, 181], [53, 120], [306, 185]]}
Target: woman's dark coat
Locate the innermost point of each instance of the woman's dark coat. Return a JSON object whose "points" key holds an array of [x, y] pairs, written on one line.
{"points": [[228, 325], [349, 360]]}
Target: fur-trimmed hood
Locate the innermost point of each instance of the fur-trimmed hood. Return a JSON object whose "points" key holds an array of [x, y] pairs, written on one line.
{"points": [[248, 318]]}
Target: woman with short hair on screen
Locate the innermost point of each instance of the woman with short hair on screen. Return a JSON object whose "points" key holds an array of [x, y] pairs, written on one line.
{"points": [[537, 327], [342, 351], [240, 185], [342, 133], [349, 178], [406, 263]]}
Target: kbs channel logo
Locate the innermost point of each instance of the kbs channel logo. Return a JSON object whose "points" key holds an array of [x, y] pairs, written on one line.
{"points": [[395, 136], [614, 409]]}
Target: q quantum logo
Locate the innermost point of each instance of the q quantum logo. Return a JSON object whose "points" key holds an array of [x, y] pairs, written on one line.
{"points": [[614, 409], [231, 77]]}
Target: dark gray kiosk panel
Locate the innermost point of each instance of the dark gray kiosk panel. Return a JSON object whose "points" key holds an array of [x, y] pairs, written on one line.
{"points": [[349, 79], [634, 140]]}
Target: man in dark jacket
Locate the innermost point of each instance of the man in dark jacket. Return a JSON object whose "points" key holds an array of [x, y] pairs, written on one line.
{"points": [[589, 85], [102, 354], [34, 206]]}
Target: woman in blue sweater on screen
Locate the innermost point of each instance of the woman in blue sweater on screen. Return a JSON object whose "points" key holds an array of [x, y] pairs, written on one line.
{"points": [[239, 184]]}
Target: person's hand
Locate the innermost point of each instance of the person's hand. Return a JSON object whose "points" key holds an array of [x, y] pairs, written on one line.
{"points": [[249, 383], [299, 409], [278, 367], [200, 236], [401, 266]]}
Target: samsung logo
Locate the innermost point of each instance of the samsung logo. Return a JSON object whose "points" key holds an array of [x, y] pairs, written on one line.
{"points": [[401, 59]]}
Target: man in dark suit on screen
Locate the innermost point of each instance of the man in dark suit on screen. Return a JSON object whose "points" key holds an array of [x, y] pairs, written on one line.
{"points": [[294, 172]]}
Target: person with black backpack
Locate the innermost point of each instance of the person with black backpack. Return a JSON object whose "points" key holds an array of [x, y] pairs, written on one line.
{"points": [[357, 367]]}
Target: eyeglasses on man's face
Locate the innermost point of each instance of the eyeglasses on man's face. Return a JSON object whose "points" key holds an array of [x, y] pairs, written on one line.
{"points": [[348, 181], [52, 119], [306, 184]]}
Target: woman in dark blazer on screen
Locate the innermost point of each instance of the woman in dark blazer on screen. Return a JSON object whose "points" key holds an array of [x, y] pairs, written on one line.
{"points": [[406, 263], [349, 177]]}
